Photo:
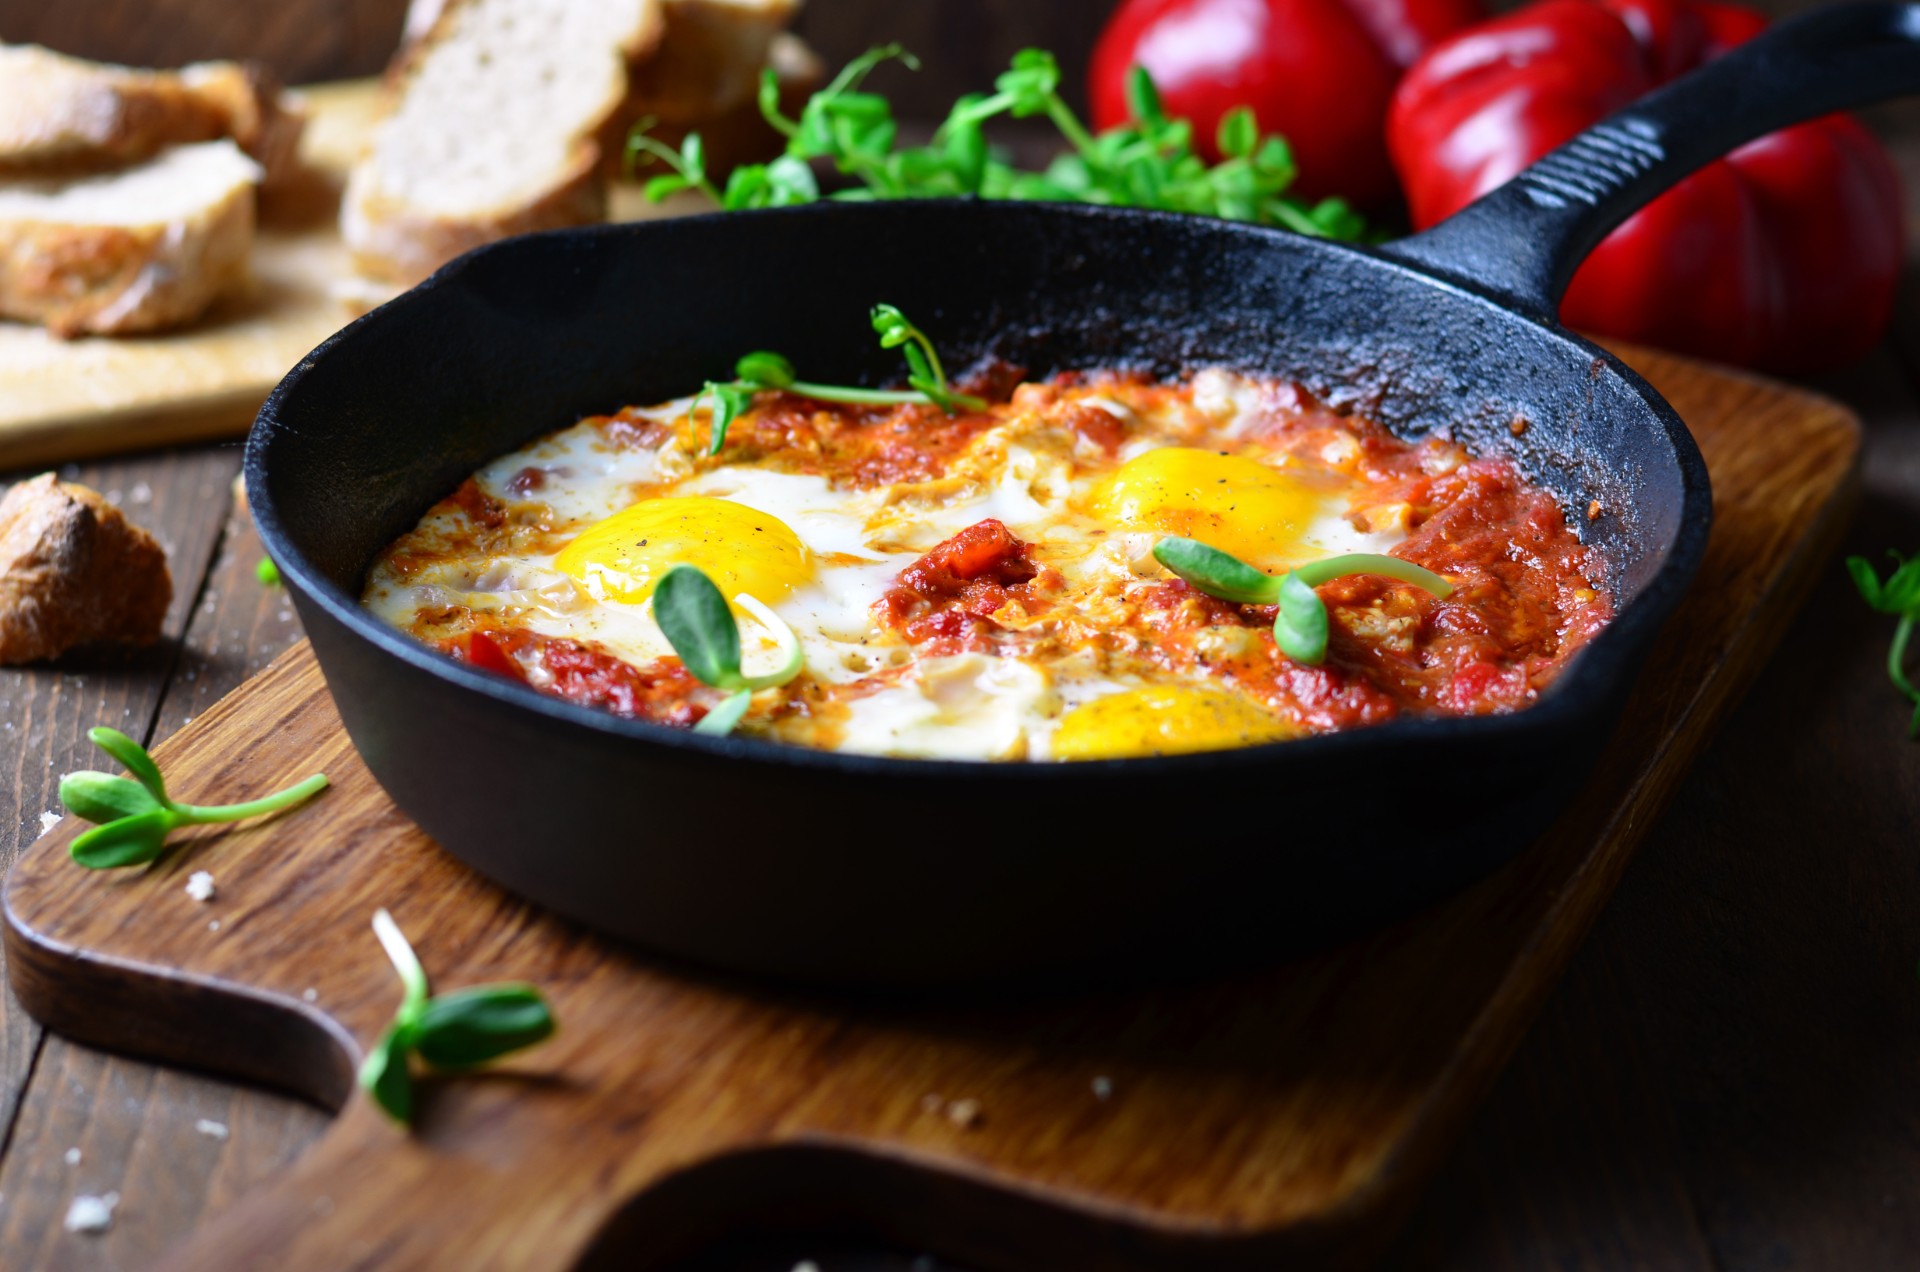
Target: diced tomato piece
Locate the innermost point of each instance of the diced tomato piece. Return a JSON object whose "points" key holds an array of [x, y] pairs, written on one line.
{"points": [[984, 550], [479, 649]]}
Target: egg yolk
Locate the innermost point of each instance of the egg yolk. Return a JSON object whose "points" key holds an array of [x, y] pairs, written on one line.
{"points": [[741, 549], [1238, 505], [1165, 720]]}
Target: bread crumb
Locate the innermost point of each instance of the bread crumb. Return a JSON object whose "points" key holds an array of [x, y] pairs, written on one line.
{"points": [[965, 1113], [213, 925], [1518, 427], [73, 1157], [200, 885], [1593, 510], [91, 1214], [211, 1129], [1103, 1088], [74, 571], [48, 820]]}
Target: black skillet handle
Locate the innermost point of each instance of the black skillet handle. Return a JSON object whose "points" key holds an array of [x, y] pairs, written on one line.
{"points": [[1521, 243]]}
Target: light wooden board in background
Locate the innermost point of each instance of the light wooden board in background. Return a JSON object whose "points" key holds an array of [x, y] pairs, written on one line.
{"points": [[67, 399]]}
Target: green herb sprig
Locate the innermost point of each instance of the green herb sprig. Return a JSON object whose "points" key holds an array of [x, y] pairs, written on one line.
{"points": [[764, 370], [1150, 163], [700, 627], [453, 1032], [133, 816], [1898, 595], [1301, 626]]}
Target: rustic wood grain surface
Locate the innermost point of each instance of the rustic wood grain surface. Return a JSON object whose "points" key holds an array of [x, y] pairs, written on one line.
{"points": [[1728, 1077]]}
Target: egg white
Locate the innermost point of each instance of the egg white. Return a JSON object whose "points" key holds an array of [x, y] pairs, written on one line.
{"points": [[972, 705]]}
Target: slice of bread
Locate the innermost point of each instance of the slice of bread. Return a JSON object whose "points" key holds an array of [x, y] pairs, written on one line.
{"points": [[738, 133], [61, 114], [137, 250], [709, 61], [706, 64], [496, 129]]}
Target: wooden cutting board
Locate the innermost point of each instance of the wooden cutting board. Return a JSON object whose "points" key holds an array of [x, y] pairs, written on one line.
{"points": [[1289, 1114], [69, 399], [66, 399]]}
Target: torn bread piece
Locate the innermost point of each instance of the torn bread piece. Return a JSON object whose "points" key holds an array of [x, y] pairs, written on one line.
{"points": [[496, 129], [131, 251], [74, 571], [61, 114]]}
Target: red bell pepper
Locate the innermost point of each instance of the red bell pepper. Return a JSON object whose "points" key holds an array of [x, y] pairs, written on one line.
{"points": [[1319, 72], [1784, 255]]}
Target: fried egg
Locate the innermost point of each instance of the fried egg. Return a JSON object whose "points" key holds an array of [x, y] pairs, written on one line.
{"points": [[1074, 644]]}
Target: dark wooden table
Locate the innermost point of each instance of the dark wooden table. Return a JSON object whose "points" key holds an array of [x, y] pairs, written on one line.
{"points": [[1728, 1078]]}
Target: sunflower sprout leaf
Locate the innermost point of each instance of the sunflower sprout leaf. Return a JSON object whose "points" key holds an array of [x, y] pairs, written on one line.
{"points": [[470, 1027], [726, 717], [1898, 595], [101, 797], [697, 623], [383, 1075], [1217, 573], [134, 815], [130, 841], [132, 756], [456, 1031], [1301, 626]]}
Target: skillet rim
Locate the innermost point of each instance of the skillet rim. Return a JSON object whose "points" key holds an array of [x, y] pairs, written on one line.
{"points": [[1580, 691]]}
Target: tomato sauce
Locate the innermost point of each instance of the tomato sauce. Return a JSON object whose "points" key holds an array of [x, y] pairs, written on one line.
{"points": [[1528, 595], [946, 599], [662, 692]]}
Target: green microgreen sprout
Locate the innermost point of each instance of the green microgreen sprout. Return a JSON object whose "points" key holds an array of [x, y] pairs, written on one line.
{"points": [[923, 361], [702, 630], [1148, 163], [764, 370], [452, 1032], [267, 572], [1301, 626], [134, 815], [1898, 595]]}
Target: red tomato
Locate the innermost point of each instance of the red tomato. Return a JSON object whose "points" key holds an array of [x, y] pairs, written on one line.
{"points": [[1319, 72], [1784, 255]]}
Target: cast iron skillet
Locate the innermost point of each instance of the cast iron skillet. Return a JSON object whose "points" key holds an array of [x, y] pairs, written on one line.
{"points": [[809, 865]]}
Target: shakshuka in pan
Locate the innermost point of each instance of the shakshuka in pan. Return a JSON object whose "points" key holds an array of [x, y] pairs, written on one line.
{"points": [[1083, 567]]}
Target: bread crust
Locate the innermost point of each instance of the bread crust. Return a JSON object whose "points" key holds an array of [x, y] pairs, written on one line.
{"points": [[80, 279], [393, 245], [60, 114], [74, 571]]}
